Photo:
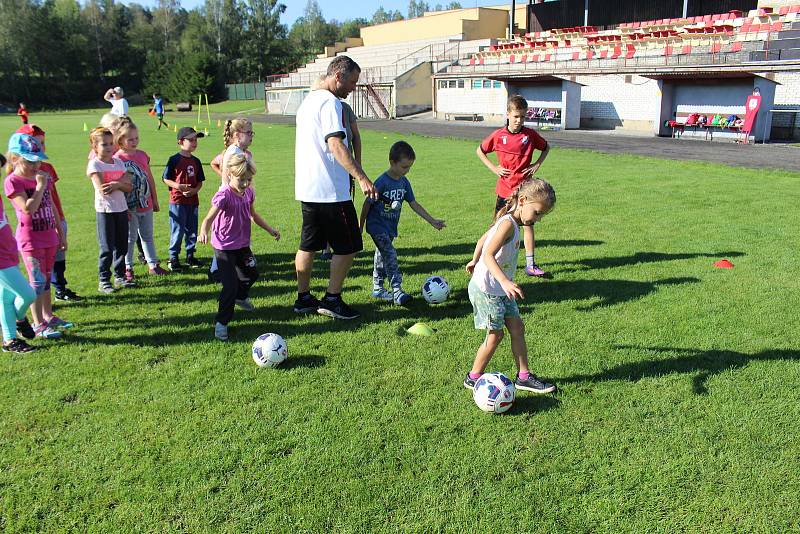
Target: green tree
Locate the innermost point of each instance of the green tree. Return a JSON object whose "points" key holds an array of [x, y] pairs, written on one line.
{"points": [[417, 8], [381, 15]]}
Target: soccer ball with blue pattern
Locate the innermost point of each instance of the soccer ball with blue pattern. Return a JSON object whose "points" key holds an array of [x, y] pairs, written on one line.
{"points": [[494, 393], [435, 290], [269, 350]]}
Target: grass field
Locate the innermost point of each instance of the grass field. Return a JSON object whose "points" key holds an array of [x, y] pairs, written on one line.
{"points": [[679, 383]]}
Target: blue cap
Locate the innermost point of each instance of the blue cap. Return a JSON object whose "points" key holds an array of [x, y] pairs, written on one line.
{"points": [[26, 147]]}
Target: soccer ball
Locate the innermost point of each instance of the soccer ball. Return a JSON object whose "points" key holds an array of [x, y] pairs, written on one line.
{"points": [[494, 393], [269, 350], [435, 290]]}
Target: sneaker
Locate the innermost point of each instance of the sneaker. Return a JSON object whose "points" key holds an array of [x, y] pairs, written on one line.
{"points": [[124, 282], [105, 287], [307, 304], [25, 329], [174, 264], [58, 322], [45, 331], [193, 262], [469, 383], [157, 270], [382, 293], [326, 255], [401, 298], [221, 332], [534, 385], [68, 295], [246, 304], [337, 309], [129, 275], [17, 345], [534, 270]]}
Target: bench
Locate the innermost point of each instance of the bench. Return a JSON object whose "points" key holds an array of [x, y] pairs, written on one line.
{"points": [[450, 115], [184, 106], [678, 125], [544, 115]]}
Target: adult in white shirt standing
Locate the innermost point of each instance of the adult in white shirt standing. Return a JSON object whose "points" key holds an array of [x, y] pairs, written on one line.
{"points": [[119, 106], [323, 165]]}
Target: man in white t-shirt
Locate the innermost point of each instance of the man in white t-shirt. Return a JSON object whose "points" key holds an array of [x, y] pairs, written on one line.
{"points": [[119, 106], [323, 165]]}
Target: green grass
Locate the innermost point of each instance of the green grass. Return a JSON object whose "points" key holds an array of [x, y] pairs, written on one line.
{"points": [[679, 383]]}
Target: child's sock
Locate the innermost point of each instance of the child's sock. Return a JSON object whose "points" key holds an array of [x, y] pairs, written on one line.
{"points": [[523, 376], [528, 260], [330, 297], [475, 376]]}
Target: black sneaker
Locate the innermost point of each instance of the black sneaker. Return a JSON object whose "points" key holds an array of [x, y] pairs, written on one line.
{"points": [[174, 264], [533, 384], [337, 309], [68, 295], [17, 345], [469, 383], [25, 329], [193, 262], [307, 304]]}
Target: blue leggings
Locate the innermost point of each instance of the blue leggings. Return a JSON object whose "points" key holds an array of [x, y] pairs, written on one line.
{"points": [[17, 297]]}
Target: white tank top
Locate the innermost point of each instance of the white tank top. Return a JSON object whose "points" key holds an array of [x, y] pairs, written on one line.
{"points": [[506, 258]]}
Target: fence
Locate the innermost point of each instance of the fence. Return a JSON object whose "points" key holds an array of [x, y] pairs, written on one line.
{"points": [[245, 91]]}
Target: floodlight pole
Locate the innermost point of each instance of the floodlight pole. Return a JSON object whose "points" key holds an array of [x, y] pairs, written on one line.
{"points": [[586, 12], [685, 7], [513, 17]]}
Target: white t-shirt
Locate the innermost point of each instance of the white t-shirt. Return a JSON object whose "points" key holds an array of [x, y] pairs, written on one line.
{"points": [[318, 177], [119, 107], [109, 172], [506, 258]]}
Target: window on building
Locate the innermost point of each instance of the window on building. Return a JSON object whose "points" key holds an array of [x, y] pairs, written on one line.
{"points": [[442, 84], [497, 84], [487, 84], [477, 84], [460, 84]]}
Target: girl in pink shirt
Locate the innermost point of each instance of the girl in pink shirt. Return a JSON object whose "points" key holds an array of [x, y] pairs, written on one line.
{"points": [[231, 212], [16, 295], [39, 233], [140, 220]]}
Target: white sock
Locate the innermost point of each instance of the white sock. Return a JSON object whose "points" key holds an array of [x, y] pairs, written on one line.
{"points": [[529, 260]]}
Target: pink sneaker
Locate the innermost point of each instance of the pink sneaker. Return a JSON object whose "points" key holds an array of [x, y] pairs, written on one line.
{"points": [[534, 270], [158, 271]]}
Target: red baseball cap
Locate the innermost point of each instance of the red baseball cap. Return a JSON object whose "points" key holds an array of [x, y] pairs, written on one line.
{"points": [[30, 129]]}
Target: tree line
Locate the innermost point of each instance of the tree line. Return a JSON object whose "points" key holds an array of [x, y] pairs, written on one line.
{"points": [[63, 53]]}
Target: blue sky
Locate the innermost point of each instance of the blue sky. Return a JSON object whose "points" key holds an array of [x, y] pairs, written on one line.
{"points": [[336, 9]]}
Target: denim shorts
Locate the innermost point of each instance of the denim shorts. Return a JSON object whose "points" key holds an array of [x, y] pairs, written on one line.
{"points": [[490, 311]]}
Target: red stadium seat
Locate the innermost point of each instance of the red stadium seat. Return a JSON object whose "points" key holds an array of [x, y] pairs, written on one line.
{"points": [[687, 49], [668, 50], [630, 52], [716, 47], [575, 55], [736, 46]]}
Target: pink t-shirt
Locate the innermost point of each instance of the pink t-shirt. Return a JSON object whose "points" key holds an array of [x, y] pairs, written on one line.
{"points": [[37, 230], [9, 256], [141, 158], [109, 172], [231, 228]]}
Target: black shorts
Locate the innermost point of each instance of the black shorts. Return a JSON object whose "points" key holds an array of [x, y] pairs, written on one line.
{"points": [[333, 223], [499, 204]]}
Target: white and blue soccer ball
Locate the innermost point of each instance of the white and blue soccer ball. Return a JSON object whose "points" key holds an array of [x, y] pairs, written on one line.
{"points": [[435, 290], [269, 350], [494, 393]]}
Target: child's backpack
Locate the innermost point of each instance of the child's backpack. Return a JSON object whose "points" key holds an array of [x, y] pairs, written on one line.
{"points": [[139, 197], [691, 120], [715, 120], [732, 119]]}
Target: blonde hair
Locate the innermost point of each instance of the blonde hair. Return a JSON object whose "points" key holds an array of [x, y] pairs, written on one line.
{"points": [[232, 126], [240, 166], [122, 131], [10, 161], [97, 135], [532, 189]]}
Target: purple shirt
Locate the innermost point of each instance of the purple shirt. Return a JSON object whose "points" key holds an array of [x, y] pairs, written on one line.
{"points": [[35, 230], [231, 228]]}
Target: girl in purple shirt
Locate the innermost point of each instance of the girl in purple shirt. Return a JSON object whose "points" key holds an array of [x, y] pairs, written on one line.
{"points": [[229, 218]]}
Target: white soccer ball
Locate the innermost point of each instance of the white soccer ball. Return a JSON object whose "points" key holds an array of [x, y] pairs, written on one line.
{"points": [[269, 350], [494, 393], [435, 290]]}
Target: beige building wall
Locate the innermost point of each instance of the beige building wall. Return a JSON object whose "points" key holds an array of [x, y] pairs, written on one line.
{"points": [[413, 91], [468, 24]]}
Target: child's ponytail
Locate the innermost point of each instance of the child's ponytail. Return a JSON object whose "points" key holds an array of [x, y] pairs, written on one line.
{"points": [[232, 126], [227, 134]]}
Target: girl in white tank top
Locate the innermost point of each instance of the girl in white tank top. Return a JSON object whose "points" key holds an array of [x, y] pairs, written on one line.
{"points": [[492, 290]]}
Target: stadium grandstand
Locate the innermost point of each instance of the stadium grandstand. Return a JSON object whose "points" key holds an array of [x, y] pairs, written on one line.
{"points": [[679, 67]]}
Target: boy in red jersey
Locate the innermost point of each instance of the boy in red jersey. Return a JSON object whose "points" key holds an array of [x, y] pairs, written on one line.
{"points": [[514, 145]]}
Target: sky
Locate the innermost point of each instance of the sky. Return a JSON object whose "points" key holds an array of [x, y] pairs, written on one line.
{"points": [[341, 10]]}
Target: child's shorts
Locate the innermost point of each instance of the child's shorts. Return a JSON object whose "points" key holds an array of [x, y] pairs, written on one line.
{"points": [[39, 264], [490, 310]]}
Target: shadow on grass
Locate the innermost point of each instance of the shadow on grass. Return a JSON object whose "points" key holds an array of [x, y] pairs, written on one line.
{"points": [[568, 243], [702, 364], [609, 292], [304, 361], [526, 403], [639, 257]]}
